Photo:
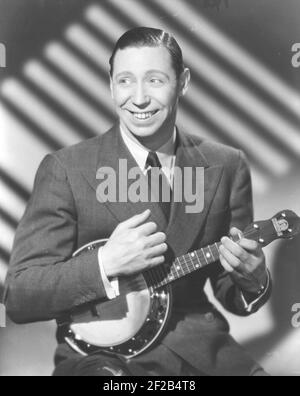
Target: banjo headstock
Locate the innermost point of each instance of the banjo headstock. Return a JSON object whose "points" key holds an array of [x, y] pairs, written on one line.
{"points": [[284, 225]]}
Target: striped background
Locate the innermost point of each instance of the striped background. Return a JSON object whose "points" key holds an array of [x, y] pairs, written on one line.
{"points": [[59, 95]]}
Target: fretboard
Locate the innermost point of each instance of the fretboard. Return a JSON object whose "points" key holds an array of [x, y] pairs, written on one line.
{"points": [[183, 265]]}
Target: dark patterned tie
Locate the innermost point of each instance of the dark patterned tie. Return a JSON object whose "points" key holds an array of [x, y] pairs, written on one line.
{"points": [[158, 183]]}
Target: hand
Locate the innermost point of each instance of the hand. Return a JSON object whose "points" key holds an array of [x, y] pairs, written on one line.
{"points": [[133, 247], [245, 261]]}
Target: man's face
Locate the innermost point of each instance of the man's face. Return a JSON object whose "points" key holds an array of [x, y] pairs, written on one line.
{"points": [[145, 90]]}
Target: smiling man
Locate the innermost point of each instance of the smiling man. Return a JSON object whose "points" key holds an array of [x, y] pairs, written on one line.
{"points": [[46, 281]]}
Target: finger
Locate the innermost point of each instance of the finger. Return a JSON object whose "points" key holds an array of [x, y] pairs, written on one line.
{"points": [[249, 245], [158, 250], [236, 233], [227, 267], [231, 259], [156, 261], [136, 220], [235, 249], [156, 239], [147, 228]]}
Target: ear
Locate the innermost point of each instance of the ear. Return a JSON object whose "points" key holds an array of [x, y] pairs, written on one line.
{"points": [[184, 81], [111, 86]]}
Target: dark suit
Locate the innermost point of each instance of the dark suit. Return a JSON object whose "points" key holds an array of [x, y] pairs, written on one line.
{"points": [[45, 282]]}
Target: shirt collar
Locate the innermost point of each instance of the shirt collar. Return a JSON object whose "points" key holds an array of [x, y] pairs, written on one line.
{"points": [[140, 153]]}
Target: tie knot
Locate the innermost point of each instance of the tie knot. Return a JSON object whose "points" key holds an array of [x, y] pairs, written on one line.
{"points": [[152, 160]]}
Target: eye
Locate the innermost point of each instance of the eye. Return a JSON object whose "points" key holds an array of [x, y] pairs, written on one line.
{"points": [[156, 81], [124, 81]]}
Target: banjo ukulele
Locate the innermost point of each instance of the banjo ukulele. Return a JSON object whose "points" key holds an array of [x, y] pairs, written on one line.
{"points": [[132, 322]]}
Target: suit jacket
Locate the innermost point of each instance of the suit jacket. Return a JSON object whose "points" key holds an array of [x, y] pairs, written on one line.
{"points": [[44, 281]]}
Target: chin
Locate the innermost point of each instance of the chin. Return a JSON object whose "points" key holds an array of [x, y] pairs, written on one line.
{"points": [[143, 132]]}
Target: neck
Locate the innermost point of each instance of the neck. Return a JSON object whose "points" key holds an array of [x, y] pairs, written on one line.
{"points": [[182, 266]]}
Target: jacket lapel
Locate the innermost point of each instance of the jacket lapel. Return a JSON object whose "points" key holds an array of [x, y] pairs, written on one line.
{"points": [[184, 228], [112, 149]]}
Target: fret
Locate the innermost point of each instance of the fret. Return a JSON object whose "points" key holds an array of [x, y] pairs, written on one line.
{"points": [[217, 247], [204, 256], [185, 265], [207, 254], [178, 268], [171, 276], [199, 263], [211, 253], [195, 260]]}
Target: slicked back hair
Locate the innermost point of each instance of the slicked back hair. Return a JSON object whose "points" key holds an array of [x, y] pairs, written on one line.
{"points": [[150, 37]]}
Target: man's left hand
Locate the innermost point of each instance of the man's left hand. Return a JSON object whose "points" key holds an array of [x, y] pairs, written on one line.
{"points": [[245, 261]]}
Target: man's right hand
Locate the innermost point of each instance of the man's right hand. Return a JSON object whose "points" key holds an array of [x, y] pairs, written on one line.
{"points": [[133, 247]]}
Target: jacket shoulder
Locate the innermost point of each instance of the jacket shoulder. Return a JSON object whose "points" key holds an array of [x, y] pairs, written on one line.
{"points": [[78, 153], [214, 152]]}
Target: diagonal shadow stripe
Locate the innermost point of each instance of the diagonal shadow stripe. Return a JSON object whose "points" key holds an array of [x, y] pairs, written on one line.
{"points": [[20, 190], [258, 109], [77, 88], [248, 91], [4, 255], [196, 111], [8, 218], [239, 59], [84, 131], [36, 131]]}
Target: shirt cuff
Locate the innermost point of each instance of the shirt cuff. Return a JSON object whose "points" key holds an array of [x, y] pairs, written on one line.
{"points": [[249, 306], [111, 287]]}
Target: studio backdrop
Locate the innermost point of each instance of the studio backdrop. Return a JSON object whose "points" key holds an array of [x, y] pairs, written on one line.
{"points": [[244, 57]]}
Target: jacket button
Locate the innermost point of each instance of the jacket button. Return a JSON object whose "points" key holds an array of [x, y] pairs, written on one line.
{"points": [[210, 317]]}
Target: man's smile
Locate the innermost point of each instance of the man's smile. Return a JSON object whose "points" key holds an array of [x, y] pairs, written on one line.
{"points": [[143, 116]]}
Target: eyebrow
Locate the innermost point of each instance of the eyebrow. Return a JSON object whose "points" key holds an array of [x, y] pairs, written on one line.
{"points": [[153, 71]]}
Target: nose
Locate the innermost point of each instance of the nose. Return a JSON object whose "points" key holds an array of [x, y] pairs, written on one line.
{"points": [[140, 97]]}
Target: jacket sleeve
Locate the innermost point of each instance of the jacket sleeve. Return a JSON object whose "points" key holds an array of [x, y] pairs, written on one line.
{"points": [[44, 281], [241, 215]]}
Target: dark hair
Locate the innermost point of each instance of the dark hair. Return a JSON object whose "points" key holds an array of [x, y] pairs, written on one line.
{"points": [[150, 37]]}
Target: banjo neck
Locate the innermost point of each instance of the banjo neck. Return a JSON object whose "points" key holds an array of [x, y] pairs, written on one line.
{"points": [[183, 265], [284, 225]]}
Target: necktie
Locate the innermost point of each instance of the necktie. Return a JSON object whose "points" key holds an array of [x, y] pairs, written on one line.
{"points": [[158, 184]]}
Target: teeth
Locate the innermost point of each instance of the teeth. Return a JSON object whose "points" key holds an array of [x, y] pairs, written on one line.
{"points": [[143, 116]]}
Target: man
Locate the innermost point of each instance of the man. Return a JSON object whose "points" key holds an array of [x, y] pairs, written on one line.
{"points": [[65, 212]]}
